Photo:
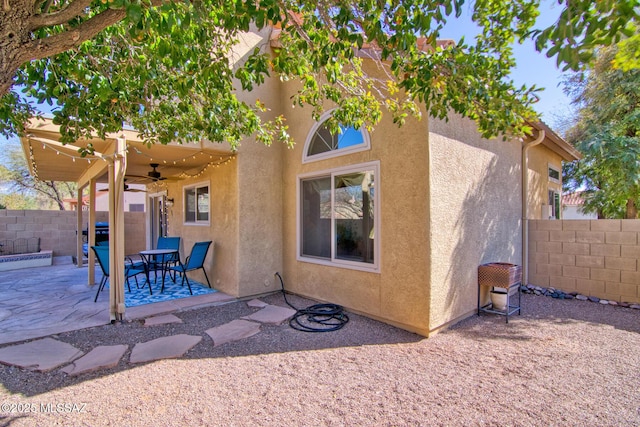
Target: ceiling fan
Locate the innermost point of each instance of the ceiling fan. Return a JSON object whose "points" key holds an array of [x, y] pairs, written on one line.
{"points": [[154, 174], [126, 188]]}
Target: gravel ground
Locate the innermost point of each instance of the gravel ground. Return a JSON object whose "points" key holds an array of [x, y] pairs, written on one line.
{"points": [[564, 363]]}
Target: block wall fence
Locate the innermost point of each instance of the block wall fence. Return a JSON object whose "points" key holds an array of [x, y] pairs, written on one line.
{"points": [[598, 258], [57, 229]]}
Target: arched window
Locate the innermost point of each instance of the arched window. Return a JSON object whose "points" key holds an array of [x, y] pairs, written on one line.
{"points": [[321, 144]]}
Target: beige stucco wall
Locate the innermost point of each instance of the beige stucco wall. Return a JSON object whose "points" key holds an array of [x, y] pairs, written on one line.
{"points": [[260, 207], [540, 157], [260, 193], [246, 206], [475, 216], [399, 292], [222, 260]]}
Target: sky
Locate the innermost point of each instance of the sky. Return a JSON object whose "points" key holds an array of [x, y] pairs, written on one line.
{"points": [[532, 67]]}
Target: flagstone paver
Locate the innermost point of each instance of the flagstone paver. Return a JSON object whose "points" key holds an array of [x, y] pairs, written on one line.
{"points": [[163, 348], [39, 302], [272, 314], [101, 357], [161, 320], [41, 355], [233, 331], [257, 303]]}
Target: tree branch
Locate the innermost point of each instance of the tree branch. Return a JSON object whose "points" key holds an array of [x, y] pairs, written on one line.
{"points": [[62, 16], [43, 48]]}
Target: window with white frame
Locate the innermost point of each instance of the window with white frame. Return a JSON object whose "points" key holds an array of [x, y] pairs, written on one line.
{"points": [[554, 174], [196, 204], [554, 205], [339, 217], [322, 144]]}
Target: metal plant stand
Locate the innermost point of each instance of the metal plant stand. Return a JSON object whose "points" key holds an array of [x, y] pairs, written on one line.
{"points": [[501, 275]]}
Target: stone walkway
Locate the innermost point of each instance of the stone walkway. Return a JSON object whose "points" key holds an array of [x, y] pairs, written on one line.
{"points": [[47, 354]]}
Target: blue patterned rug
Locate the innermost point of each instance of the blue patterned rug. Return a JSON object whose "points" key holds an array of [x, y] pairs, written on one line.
{"points": [[172, 291]]}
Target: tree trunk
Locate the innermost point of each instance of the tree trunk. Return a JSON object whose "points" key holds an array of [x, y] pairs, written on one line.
{"points": [[632, 210], [19, 20], [15, 37]]}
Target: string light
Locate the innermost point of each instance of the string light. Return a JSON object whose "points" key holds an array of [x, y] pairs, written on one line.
{"points": [[58, 152], [221, 161]]}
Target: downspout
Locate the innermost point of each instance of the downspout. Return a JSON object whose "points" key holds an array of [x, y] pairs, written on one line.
{"points": [[525, 205]]}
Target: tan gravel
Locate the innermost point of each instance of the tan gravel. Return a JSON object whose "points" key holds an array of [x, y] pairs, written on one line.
{"points": [[562, 363]]}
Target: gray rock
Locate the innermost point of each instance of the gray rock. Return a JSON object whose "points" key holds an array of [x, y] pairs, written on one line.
{"points": [[582, 297], [636, 306], [594, 299], [256, 303], [604, 302]]}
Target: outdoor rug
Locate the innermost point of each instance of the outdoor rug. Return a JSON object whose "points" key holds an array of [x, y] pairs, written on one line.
{"points": [[172, 290]]}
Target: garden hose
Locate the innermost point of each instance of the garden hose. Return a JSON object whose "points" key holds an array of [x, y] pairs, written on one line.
{"points": [[316, 318]]}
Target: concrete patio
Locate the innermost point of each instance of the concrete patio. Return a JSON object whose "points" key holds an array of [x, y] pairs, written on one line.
{"points": [[37, 302]]}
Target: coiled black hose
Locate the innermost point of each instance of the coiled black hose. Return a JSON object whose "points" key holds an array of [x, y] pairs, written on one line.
{"points": [[316, 318]]}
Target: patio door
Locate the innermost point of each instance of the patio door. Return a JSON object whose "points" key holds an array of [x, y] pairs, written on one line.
{"points": [[158, 218]]}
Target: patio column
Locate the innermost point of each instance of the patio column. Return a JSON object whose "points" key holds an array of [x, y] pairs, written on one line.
{"points": [[117, 168], [91, 232], [79, 228]]}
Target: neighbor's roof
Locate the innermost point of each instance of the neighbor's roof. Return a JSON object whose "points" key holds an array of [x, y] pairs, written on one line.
{"points": [[573, 199]]}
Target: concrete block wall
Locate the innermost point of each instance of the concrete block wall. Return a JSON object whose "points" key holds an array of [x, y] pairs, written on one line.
{"points": [[592, 257], [57, 229]]}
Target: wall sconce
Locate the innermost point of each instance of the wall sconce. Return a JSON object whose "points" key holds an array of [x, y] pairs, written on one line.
{"points": [[169, 202]]}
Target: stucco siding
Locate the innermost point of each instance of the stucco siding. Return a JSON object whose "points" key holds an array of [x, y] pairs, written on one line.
{"points": [[260, 195], [399, 292], [540, 158], [476, 204], [259, 218], [222, 261]]}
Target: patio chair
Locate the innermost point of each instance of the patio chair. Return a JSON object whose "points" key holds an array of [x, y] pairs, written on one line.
{"points": [[194, 261], [162, 261], [130, 270], [128, 258]]}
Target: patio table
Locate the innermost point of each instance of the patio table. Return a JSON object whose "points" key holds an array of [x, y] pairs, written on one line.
{"points": [[160, 256]]}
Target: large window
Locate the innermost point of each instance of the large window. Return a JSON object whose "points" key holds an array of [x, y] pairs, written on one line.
{"points": [[338, 217], [322, 144], [196, 204]]}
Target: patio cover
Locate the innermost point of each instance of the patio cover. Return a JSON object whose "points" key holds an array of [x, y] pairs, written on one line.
{"points": [[118, 157]]}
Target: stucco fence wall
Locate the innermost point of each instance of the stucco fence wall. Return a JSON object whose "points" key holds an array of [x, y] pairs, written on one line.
{"points": [[57, 229], [598, 258]]}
